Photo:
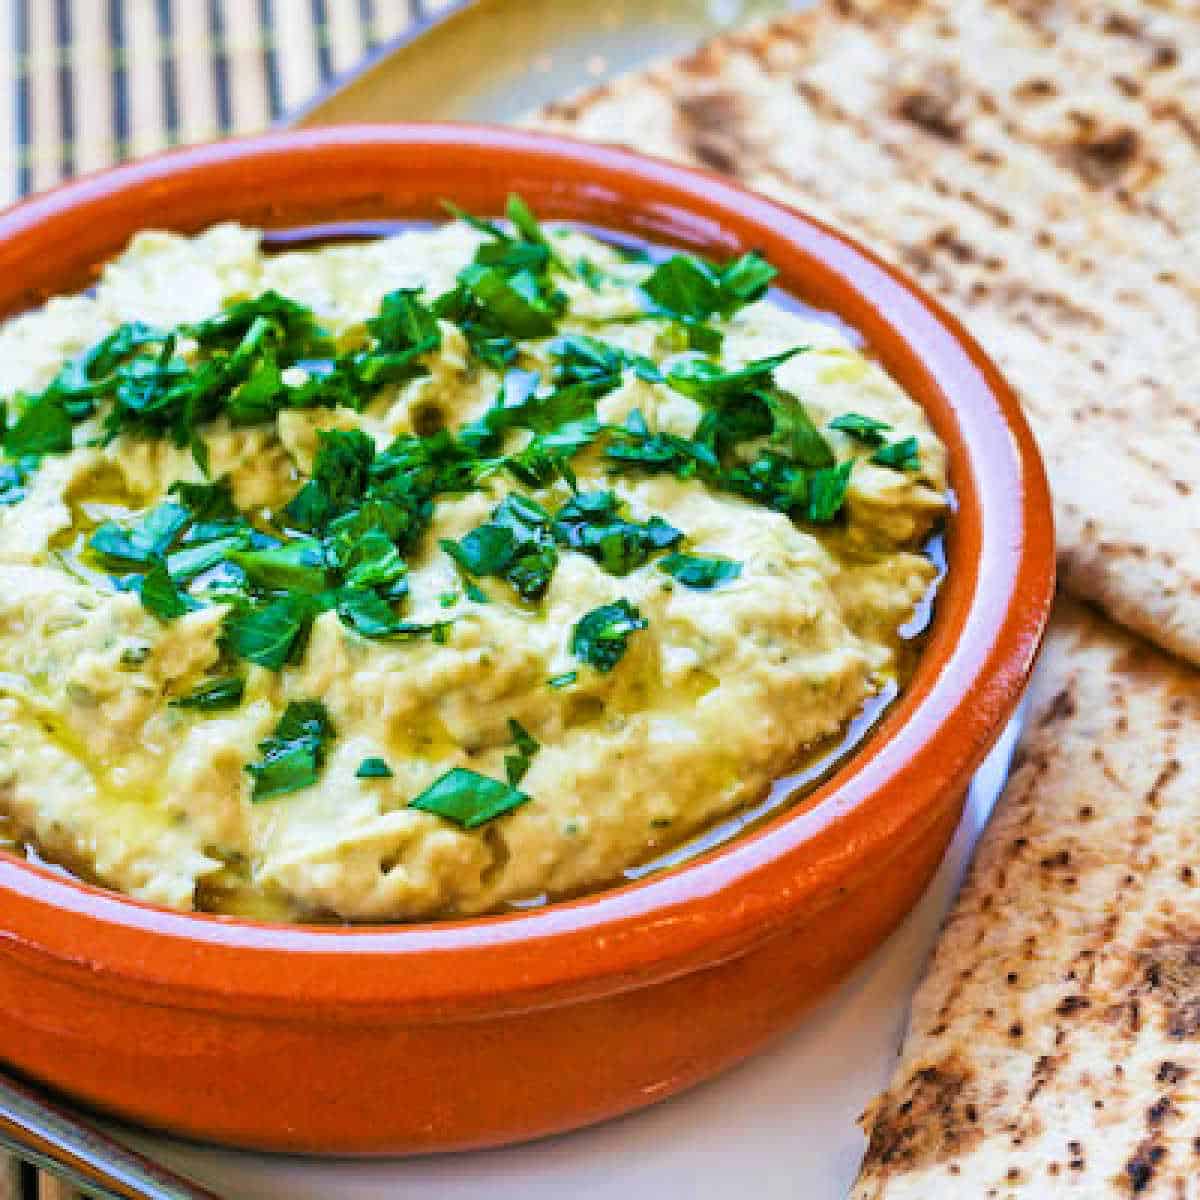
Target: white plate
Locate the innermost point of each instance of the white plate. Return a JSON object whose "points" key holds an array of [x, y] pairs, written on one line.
{"points": [[780, 1126]]}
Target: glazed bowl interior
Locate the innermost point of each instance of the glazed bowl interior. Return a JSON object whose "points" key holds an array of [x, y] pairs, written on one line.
{"points": [[990, 613]]}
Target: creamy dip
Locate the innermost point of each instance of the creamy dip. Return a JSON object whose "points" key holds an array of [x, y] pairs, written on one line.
{"points": [[428, 667]]}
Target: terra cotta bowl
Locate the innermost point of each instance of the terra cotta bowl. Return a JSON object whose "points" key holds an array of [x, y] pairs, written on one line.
{"points": [[473, 1033]]}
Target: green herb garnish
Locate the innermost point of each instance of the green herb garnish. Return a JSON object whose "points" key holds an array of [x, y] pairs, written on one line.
{"points": [[44, 427], [13, 478], [373, 768], [601, 636], [827, 492], [591, 523], [867, 430], [699, 573], [517, 764], [516, 545], [272, 634], [146, 541], [220, 693], [160, 596], [633, 445], [691, 291], [903, 455], [468, 798], [294, 754], [709, 382]]}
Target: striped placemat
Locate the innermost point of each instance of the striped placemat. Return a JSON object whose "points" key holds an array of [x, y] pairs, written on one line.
{"points": [[98, 81]]}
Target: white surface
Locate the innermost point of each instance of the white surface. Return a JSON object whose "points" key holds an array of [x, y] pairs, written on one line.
{"points": [[782, 1124]]}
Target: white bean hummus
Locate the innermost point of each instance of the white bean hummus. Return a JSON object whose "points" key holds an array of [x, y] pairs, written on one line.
{"points": [[425, 575]]}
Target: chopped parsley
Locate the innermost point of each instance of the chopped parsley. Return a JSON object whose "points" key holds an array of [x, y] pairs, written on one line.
{"points": [[468, 798], [827, 492], [601, 636], [218, 694], [373, 768], [699, 573], [13, 477], [867, 430], [634, 446], [561, 681], [44, 427], [903, 455], [526, 746], [580, 358], [690, 290], [270, 635], [293, 755], [160, 596], [516, 545], [772, 480], [709, 382], [591, 523], [508, 292], [142, 543]]}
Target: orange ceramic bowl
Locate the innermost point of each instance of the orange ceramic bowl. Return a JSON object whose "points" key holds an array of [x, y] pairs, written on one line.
{"points": [[472, 1033]]}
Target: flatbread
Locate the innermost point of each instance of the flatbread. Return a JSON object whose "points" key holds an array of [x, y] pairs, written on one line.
{"points": [[1036, 164], [1054, 1045]]}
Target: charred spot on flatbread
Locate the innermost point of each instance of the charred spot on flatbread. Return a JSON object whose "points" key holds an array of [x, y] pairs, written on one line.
{"points": [[712, 124]]}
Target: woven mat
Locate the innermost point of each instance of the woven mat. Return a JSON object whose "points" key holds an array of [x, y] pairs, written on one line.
{"points": [[98, 81]]}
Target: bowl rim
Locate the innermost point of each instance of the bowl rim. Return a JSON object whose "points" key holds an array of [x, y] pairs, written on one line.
{"points": [[992, 612]]}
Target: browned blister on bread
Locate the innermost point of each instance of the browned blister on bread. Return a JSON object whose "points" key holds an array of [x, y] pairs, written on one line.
{"points": [[1035, 164], [1054, 1044]]}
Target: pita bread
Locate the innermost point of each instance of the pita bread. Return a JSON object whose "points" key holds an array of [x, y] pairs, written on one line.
{"points": [[1036, 164], [1054, 1044]]}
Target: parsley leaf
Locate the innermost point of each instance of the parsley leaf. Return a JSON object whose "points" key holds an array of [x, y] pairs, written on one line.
{"points": [[516, 545], [903, 455], [271, 634], [13, 478], [591, 523], [828, 492], [691, 291], [161, 597], [516, 765], [580, 358], [206, 501], [405, 323], [191, 560], [601, 636], [769, 479], [515, 305], [220, 693], [294, 754], [634, 445], [269, 318], [43, 427], [526, 224], [685, 287], [709, 382], [564, 680], [794, 432], [373, 768], [468, 798], [370, 615], [746, 279], [143, 542], [865, 429], [699, 573], [295, 566]]}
